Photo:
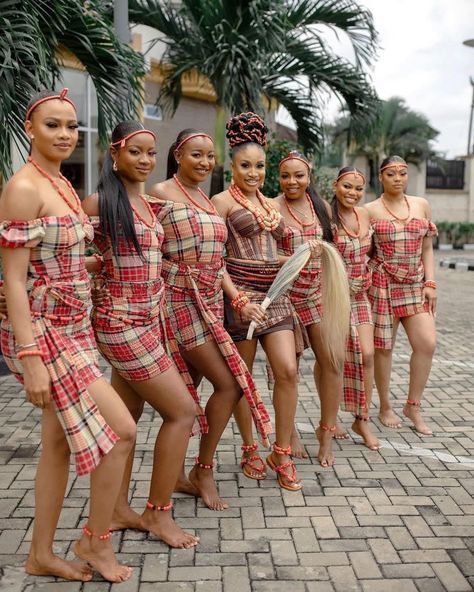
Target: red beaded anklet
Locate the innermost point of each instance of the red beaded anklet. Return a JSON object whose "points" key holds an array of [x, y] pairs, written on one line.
{"points": [[102, 537], [249, 447], [202, 465], [280, 450], [415, 403], [165, 508], [362, 418]]}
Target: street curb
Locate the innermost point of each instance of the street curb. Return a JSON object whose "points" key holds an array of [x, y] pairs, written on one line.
{"points": [[458, 265]]}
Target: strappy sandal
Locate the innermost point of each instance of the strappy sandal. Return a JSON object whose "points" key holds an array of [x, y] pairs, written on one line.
{"points": [[254, 463], [286, 473]]}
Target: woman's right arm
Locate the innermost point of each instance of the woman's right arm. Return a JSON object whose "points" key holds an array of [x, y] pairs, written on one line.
{"points": [[22, 202]]}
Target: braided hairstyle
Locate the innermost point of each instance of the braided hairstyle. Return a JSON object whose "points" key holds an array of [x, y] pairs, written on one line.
{"points": [[115, 210], [335, 203], [246, 128]]}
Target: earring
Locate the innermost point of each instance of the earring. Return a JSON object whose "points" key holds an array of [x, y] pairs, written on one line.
{"points": [[32, 138], [114, 166]]}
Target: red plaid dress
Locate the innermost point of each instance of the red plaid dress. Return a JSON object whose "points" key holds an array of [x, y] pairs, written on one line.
{"points": [[305, 293], [354, 252], [129, 324], [59, 295], [192, 268], [397, 274]]}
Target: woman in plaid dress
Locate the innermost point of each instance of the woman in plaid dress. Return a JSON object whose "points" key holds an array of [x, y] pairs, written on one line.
{"points": [[254, 225], [48, 344], [403, 289], [354, 241], [193, 269], [308, 217], [128, 325]]}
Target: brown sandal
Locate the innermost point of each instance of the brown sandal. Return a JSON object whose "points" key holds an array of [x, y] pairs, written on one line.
{"points": [[250, 461], [285, 471]]}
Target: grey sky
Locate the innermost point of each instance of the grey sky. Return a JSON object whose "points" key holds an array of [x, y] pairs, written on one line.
{"points": [[424, 61]]}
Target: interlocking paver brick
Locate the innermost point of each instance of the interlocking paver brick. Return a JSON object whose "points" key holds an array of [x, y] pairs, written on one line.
{"points": [[401, 519]]}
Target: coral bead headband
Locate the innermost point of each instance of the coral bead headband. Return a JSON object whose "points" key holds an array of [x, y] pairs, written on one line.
{"points": [[395, 165], [124, 140], [294, 156], [61, 96], [354, 172], [190, 137]]}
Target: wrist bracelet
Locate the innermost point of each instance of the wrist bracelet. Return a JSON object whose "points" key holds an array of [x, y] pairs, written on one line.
{"points": [[27, 353], [21, 346], [430, 284], [239, 301]]}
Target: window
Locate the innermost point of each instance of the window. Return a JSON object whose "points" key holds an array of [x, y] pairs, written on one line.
{"points": [[153, 112]]}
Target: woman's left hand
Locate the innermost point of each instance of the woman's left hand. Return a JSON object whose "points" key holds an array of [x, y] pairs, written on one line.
{"points": [[316, 248], [98, 291], [253, 312], [429, 294]]}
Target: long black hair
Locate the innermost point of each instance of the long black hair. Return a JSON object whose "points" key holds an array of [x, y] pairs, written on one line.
{"points": [[115, 210], [335, 203], [172, 165]]}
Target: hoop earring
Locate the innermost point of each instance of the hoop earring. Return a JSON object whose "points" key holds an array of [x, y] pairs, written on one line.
{"points": [[114, 166]]}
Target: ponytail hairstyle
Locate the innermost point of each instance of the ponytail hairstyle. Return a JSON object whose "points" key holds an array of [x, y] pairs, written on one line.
{"points": [[115, 210], [336, 304], [348, 170], [183, 137], [319, 204], [246, 128]]}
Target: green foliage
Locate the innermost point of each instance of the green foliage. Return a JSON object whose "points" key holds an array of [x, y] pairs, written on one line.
{"points": [[397, 130], [257, 51], [33, 32], [324, 178]]}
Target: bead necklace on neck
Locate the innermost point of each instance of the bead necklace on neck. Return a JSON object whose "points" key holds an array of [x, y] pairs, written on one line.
{"points": [[210, 209], [347, 230], [267, 221], [75, 207], [382, 199], [295, 217]]}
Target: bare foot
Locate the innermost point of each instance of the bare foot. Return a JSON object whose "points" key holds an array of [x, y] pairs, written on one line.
{"points": [[60, 568], [124, 518], [362, 428], [390, 419], [297, 448], [413, 413], [252, 465], [162, 525], [340, 433], [203, 480], [100, 555], [325, 453], [184, 485]]}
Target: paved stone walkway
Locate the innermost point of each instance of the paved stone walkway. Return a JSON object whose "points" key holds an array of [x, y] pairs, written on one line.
{"points": [[397, 520]]}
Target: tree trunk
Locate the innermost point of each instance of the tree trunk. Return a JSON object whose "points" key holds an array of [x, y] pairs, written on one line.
{"points": [[217, 181]]}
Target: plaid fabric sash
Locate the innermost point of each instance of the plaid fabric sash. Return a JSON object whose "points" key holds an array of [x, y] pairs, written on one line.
{"points": [[398, 271], [152, 314], [180, 276], [88, 435]]}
